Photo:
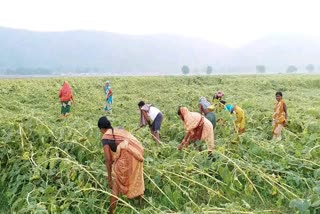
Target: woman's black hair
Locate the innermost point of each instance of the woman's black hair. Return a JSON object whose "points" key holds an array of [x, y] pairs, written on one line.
{"points": [[279, 93], [104, 123], [223, 102], [141, 103], [216, 97]]}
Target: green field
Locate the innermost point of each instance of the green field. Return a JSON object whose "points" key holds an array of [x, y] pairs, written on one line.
{"points": [[54, 165]]}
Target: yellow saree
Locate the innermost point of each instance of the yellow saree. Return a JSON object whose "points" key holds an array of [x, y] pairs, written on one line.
{"points": [[239, 122]]}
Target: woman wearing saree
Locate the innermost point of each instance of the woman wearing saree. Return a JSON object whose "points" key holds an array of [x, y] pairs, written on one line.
{"points": [[198, 128], [66, 97], [218, 95], [108, 94], [217, 101], [124, 162], [240, 120], [206, 108], [280, 116]]}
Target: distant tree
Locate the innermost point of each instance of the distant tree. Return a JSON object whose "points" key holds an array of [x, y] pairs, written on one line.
{"points": [[209, 70], [261, 69], [185, 69], [310, 68], [292, 69]]}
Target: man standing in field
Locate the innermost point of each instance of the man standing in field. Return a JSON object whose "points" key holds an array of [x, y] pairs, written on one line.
{"points": [[153, 117]]}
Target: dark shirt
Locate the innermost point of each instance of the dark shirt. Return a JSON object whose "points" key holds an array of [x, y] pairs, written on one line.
{"points": [[112, 144]]}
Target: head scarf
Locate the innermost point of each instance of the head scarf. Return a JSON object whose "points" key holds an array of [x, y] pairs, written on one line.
{"points": [[190, 119], [65, 92], [219, 95], [204, 102], [65, 87]]}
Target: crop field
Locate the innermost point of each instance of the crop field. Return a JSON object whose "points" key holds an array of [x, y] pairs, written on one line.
{"points": [[50, 164]]}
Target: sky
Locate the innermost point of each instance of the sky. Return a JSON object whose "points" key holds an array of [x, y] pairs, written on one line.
{"points": [[232, 23]]}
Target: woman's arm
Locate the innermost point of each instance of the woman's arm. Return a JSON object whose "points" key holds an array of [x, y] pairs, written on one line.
{"points": [[108, 162], [187, 137], [185, 140], [286, 114]]}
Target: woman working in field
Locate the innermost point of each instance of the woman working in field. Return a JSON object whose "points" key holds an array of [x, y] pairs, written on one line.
{"points": [[240, 121], [218, 95], [217, 98], [280, 116], [66, 97], [124, 157], [198, 128], [206, 108], [153, 117], [108, 94]]}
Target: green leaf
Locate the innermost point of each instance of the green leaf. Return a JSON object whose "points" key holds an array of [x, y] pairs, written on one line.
{"points": [[167, 190], [49, 190], [316, 204], [317, 190], [316, 173], [301, 205]]}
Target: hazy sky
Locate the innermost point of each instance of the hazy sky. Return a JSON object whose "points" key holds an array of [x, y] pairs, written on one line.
{"points": [[229, 22]]}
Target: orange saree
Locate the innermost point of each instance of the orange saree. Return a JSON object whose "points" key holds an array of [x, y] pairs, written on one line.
{"points": [[200, 127], [127, 163]]}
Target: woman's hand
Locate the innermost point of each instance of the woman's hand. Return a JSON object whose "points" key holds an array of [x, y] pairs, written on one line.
{"points": [[183, 143]]}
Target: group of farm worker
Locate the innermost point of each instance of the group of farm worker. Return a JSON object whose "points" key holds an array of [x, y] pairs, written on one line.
{"points": [[124, 153]]}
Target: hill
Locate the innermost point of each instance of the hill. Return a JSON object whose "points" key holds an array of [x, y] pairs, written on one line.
{"points": [[277, 52], [97, 52]]}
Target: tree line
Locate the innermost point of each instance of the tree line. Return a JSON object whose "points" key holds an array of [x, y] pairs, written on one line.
{"points": [[290, 69], [260, 69]]}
